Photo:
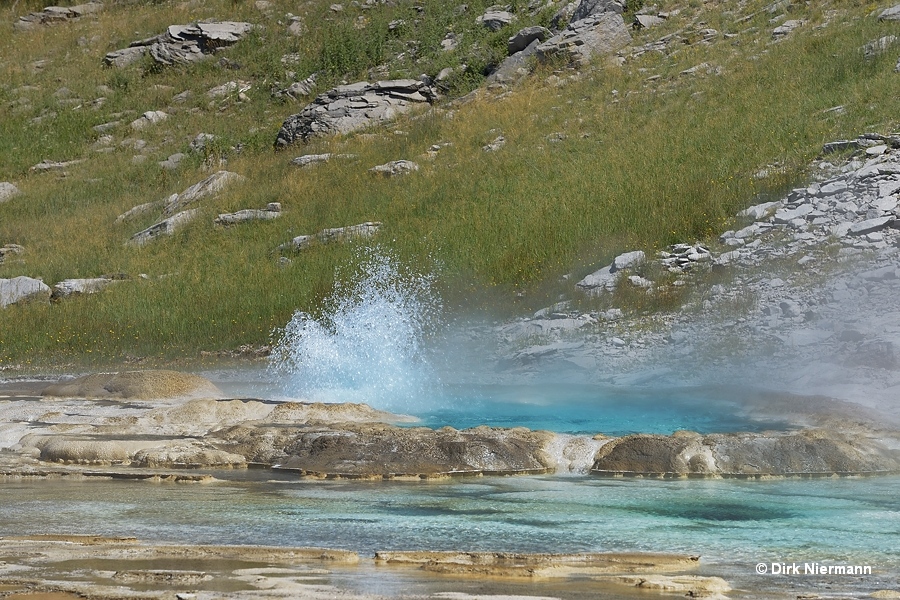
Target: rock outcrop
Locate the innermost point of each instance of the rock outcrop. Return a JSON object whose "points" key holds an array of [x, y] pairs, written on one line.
{"points": [[349, 108], [182, 44], [135, 385], [20, 290], [56, 14], [524, 37], [810, 452], [584, 39]]}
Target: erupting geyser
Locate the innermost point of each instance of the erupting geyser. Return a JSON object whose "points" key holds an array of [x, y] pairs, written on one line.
{"points": [[369, 346]]}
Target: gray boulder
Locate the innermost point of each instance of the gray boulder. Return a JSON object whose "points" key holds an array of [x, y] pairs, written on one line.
{"points": [[349, 108], [164, 227], [182, 44], [759, 211], [151, 117], [647, 21], [598, 282], [495, 20], [19, 290], [516, 66], [787, 28], [213, 184], [890, 14], [879, 46], [394, 168], [628, 259], [521, 40], [871, 225], [587, 38], [8, 191], [125, 56], [271, 211]]}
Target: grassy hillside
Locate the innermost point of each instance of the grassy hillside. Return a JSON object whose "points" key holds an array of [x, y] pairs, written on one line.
{"points": [[607, 159]]}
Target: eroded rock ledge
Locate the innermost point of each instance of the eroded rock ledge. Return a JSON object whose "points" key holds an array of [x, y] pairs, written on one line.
{"points": [[814, 452], [147, 422]]}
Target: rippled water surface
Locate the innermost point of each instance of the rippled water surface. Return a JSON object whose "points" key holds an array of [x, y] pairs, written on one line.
{"points": [[851, 519]]}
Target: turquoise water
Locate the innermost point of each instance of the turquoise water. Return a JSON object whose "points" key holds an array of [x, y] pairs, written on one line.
{"points": [[727, 521], [588, 409]]}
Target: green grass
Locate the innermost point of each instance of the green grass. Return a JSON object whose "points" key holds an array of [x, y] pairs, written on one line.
{"points": [[655, 163]]}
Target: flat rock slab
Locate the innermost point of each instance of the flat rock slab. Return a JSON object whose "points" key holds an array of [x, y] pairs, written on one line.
{"points": [[271, 211], [349, 108], [182, 44], [135, 385]]}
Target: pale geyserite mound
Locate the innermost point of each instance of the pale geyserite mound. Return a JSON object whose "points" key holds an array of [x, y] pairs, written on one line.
{"points": [[136, 385]]}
